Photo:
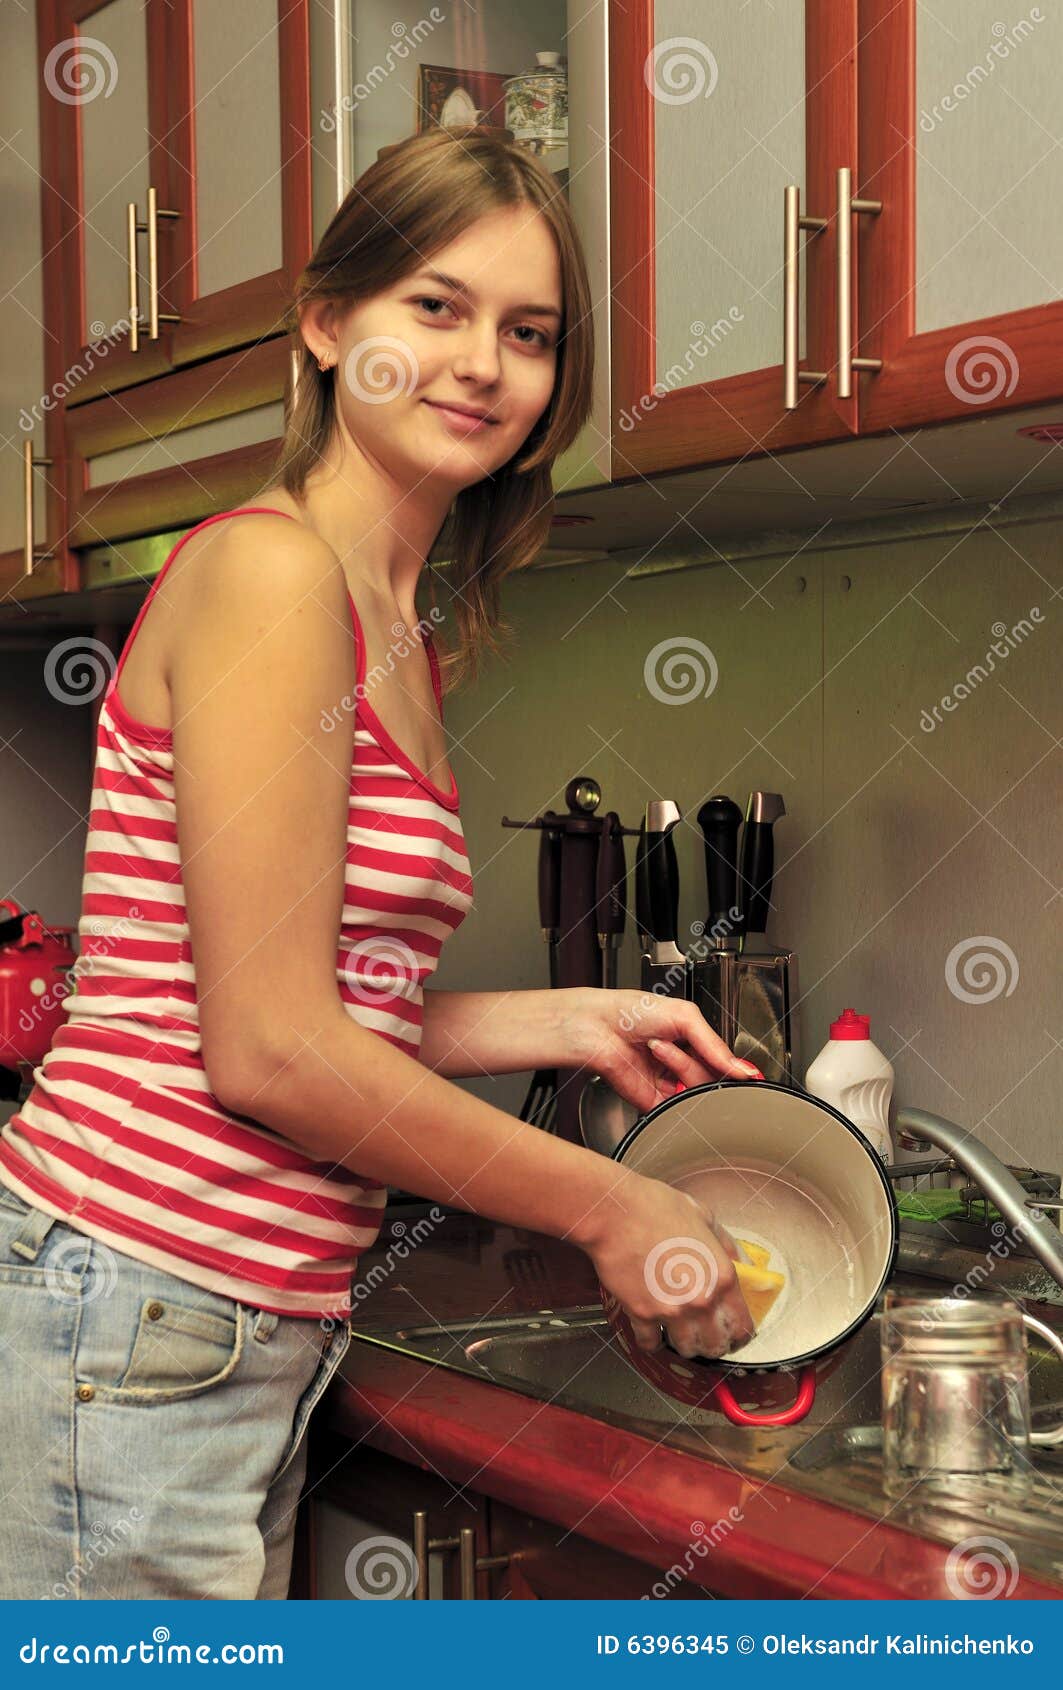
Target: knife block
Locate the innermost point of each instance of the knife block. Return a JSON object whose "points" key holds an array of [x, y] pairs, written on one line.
{"points": [[750, 999]]}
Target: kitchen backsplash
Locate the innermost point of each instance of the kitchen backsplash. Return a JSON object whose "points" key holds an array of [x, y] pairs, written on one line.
{"points": [[904, 698]]}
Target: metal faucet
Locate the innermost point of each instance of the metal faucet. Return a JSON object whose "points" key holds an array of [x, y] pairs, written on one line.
{"points": [[918, 1130]]}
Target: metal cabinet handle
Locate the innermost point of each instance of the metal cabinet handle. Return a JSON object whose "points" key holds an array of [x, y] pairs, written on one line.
{"points": [[846, 205], [471, 1563], [151, 229], [465, 1543], [793, 223], [31, 553], [423, 1546]]}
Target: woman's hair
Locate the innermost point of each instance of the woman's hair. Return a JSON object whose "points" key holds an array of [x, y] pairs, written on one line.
{"points": [[419, 196]]}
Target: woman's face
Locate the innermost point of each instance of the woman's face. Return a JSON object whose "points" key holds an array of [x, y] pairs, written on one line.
{"points": [[485, 339]]}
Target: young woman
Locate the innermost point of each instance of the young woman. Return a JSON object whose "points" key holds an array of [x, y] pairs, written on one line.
{"points": [[208, 1144]]}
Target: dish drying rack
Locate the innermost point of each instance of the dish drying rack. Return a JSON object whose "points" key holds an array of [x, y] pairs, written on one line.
{"points": [[972, 1225]]}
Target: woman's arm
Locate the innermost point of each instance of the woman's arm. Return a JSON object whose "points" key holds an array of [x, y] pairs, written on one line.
{"points": [[262, 656], [473, 1033]]}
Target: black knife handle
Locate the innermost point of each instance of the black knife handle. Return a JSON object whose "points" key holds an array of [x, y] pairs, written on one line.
{"points": [[611, 879], [549, 879], [642, 886], [758, 871], [720, 819], [662, 874]]}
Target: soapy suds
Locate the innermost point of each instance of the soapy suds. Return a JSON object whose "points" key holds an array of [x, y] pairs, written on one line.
{"points": [[809, 1242]]}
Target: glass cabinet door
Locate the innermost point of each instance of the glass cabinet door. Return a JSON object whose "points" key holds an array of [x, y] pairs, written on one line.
{"points": [[381, 72], [240, 104], [103, 99], [716, 111], [959, 137]]}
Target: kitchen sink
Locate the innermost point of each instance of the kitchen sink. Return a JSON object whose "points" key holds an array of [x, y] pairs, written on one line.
{"points": [[570, 1357]]}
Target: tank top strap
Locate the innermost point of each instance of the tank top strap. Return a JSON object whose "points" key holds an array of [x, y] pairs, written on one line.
{"points": [[221, 516]]}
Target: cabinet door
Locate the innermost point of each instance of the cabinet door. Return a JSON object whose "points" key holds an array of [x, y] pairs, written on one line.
{"points": [[715, 110], [376, 81], [103, 112], [959, 118], [546, 1562], [33, 359], [240, 105]]}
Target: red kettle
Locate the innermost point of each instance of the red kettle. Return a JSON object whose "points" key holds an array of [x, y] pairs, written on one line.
{"points": [[35, 962]]}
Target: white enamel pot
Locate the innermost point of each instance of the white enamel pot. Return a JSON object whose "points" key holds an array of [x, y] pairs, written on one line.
{"points": [[785, 1170]]}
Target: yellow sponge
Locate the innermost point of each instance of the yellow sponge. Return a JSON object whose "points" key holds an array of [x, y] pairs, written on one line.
{"points": [[756, 1252], [758, 1284]]}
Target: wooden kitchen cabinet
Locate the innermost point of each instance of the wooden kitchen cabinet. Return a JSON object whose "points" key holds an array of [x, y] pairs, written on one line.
{"points": [[944, 118], [357, 1515], [715, 110], [198, 115], [960, 275]]}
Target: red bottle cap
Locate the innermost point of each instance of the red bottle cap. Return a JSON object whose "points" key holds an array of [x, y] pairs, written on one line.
{"points": [[850, 1025]]}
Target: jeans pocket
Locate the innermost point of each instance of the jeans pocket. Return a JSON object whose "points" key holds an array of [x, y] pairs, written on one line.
{"points": [[177, 1352]]}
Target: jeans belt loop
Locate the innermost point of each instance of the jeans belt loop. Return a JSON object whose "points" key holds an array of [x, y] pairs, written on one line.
{"points": [[266, 1324], [35, 1230]]}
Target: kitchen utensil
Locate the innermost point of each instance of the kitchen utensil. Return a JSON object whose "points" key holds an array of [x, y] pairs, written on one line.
{"points": [[664, 966], [758, 859], [540, 1103], [955, 1394], [789, 1173], [745, 988], [610, 894], [719, 820], [605, 1117]]}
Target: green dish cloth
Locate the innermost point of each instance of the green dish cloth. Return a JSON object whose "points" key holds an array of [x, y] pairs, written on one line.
{"points": [[941, 1204]]}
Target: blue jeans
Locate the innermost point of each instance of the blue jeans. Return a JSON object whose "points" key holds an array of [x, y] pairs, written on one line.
{"points": [[151, 1433]]}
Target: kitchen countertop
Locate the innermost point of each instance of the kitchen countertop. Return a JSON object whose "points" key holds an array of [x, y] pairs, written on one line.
{"points": [[774, 1531]]}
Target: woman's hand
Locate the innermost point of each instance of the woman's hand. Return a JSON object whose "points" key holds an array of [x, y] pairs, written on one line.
{"points": [[646, 1045], [668, 1261]]}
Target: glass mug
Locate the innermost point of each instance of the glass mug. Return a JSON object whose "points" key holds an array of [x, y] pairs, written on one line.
{"points": [[955, 1394]]}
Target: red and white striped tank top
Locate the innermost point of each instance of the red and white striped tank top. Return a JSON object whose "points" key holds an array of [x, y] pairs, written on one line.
{"points": [[121, 1135]]}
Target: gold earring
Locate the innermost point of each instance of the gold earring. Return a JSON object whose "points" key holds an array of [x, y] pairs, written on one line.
{"points": [[324, 362]]}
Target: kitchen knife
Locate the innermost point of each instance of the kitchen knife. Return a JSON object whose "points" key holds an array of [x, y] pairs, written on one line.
{"points": [[758, 859], [720, 819], [610, 894], [657, 887]]}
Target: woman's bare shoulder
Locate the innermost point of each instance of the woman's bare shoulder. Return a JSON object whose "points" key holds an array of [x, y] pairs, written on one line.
{"points": [[264, 556]]}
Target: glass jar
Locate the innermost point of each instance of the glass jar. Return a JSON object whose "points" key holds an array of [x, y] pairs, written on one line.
{"points": [[955, 1396]]}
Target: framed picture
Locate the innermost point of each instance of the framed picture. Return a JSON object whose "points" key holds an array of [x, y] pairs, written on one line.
{"points": [[450, 97]]}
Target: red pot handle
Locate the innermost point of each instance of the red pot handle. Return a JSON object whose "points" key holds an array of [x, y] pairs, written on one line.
{"points": [[724, 1398]]}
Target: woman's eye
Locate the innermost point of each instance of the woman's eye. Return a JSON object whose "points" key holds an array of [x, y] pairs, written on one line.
{"points": [[541, 339]]}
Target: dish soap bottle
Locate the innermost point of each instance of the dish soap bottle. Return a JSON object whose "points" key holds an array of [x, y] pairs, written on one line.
{"points": [[852, 1074]]}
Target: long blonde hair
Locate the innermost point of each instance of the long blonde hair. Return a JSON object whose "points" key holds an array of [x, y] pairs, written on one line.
{"points": [[418, 196]]}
